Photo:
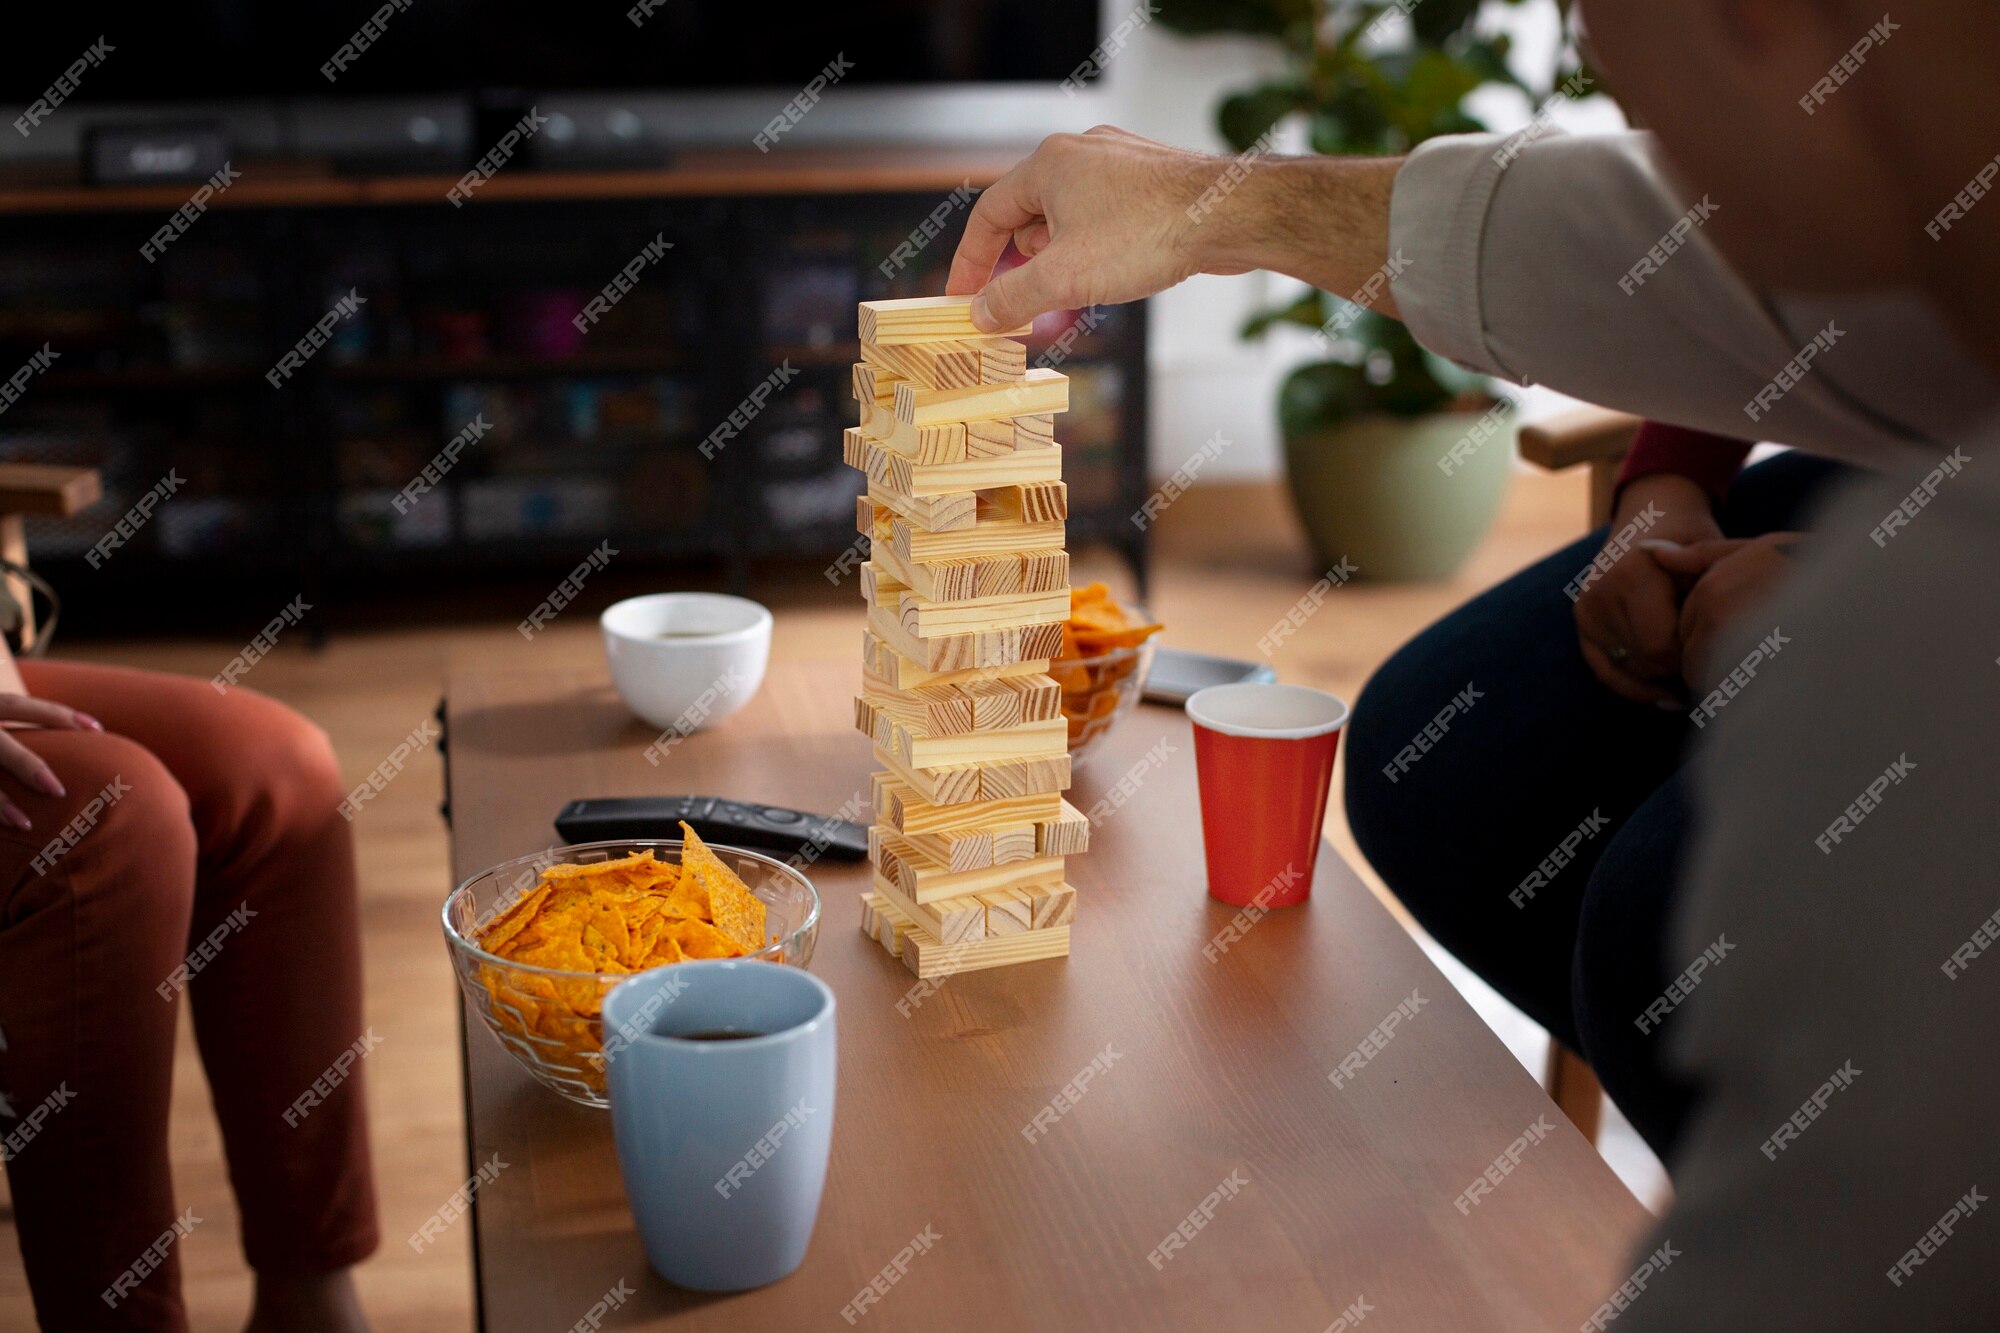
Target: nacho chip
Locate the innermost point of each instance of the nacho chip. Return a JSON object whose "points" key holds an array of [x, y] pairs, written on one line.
{"points": [[514, 920], [698, 939], [736, 912]]}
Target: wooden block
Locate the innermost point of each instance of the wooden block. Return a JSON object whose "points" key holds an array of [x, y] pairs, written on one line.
{"points": [[880, 661], [951, 785], [899, 806], [1000, 537], [989, 439], [924, 879], [872, 384], [928, 957], [973, 474], [1041, 502], [864, 455], [996, 703], [941, 443], [919, 319], [945, 711], [1032, 434], [1008, 702], [951, 921], [1041, 699], [967, 849], [900, 730], [1007, 912], [951, 364], [1044, 569], [958, 784], [1040, 641], [1020, 777], [1001, 360], [1068, 834], [1051, 906], [932, 513], [1041, 390], [1006, 576], [928, 620], [1035, 431], [892, 930], [963, 652], [977, 849], [937, 365]]}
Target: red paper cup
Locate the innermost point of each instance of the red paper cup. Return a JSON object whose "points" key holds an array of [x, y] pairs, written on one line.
{"points": [[1263, 756]]}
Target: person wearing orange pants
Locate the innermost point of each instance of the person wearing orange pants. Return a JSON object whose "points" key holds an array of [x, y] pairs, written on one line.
{"points": [[159, 837]]}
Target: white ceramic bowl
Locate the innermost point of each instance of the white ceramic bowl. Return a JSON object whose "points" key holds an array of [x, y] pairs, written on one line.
{"points": [[685, 660]]}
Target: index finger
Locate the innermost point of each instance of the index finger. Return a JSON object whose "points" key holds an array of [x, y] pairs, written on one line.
{"points": [[1003, 208]]}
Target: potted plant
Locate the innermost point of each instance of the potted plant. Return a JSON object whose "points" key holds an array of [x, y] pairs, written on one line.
{"points": [[1396, 459]]}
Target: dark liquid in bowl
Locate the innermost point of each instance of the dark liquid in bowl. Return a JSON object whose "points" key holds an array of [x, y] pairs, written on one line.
{"points": [[718, 1034]]}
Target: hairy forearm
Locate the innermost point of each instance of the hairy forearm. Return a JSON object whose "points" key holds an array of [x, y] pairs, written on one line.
{"points": [[1322, 220]]}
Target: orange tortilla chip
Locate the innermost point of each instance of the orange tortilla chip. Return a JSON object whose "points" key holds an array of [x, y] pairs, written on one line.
{"points": [[698, 939], [735, 911], [513, 921]]}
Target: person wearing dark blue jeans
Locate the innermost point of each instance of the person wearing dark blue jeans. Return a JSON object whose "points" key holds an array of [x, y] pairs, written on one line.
{"points": [[1537, 831]]}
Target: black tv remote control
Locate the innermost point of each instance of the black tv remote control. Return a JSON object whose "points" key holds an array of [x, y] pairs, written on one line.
{"points": [[764, 828]]}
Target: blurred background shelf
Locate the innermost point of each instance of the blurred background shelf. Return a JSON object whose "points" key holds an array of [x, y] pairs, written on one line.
{"points": [[590, 435]]}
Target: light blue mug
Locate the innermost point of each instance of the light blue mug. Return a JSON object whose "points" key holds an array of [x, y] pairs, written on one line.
{"points": [[722, 1138]]}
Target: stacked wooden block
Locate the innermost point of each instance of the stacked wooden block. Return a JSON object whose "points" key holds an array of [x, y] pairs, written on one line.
{"points": [[967, 587]]}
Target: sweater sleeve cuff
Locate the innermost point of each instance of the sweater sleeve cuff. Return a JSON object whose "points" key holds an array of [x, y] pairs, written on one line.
{"points": [[1710, 461], [1437, 225]]}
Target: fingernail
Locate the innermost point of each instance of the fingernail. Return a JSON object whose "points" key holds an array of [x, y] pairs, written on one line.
{"points": [[982, 314], [87, 721], [19, 820], [1657, 544], [50, 783]]}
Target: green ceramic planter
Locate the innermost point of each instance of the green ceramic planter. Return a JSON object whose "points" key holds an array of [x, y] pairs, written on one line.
{"points": [[1371, 490]]}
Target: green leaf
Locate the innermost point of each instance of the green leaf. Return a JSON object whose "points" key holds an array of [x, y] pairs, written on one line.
{"points": [[1308, 310], [1321, 394], [1243, 118], [1436, 21]]}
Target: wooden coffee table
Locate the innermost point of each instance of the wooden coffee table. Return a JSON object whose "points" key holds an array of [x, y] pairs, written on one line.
{"points": [[1207, 1072]]}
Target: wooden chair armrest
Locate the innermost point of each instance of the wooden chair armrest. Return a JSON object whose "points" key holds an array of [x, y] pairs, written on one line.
{"points": [[1583, 435], [45, 489]]}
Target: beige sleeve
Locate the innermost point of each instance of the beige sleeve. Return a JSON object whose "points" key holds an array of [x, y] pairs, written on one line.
{"points": [[1555, 261]]}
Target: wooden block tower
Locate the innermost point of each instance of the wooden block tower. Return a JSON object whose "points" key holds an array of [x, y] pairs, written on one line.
{"points": [[967, 587]]}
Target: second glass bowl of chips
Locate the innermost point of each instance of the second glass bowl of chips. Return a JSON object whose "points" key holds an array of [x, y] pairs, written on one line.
{"points": [[1107, 648], [550, 1019]]}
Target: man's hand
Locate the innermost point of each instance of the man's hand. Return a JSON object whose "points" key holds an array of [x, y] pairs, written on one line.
{"points": [[1730, 580], [1629, 621], [1107, 216]]}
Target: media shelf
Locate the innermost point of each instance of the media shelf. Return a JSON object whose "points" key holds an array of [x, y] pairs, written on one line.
{"points": [[609, 434]]}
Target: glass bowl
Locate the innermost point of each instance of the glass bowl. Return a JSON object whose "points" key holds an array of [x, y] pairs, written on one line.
{"points": [[550, 1019], [1097, 691]]}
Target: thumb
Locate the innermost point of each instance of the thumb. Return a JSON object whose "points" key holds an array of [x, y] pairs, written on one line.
{"points": [[1692, 561], [1012, 299]]}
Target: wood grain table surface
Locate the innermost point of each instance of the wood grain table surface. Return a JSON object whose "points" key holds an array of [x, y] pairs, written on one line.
{"points": [[1209, 1116]]}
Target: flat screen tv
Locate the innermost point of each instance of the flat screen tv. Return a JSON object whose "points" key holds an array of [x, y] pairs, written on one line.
{"points": [[204, 50]]}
